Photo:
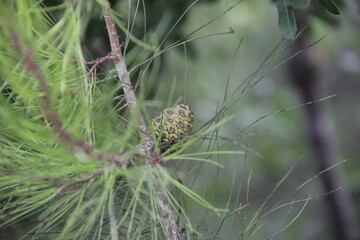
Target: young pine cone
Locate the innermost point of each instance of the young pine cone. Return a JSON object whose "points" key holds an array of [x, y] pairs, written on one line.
{"points": [[173, 123]]}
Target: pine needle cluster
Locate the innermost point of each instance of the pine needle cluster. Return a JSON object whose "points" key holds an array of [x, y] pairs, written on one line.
{"points": [[79, 157]]}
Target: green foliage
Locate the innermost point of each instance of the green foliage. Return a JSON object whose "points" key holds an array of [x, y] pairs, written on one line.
{"points": [[287, 23], [286, 11], [68, 155], [70, 151], [330, 6]]}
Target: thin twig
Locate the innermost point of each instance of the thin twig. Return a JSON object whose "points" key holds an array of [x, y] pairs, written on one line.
{"points": [[123, 75], [98, 61], [49, 115], [168, 215], [166, 211]]}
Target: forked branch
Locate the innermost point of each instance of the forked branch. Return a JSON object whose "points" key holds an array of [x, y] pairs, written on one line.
{"points": [[167, 214], [123, 75]]}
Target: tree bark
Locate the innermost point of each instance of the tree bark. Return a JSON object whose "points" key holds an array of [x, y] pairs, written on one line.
{"points": [[322, 139]]}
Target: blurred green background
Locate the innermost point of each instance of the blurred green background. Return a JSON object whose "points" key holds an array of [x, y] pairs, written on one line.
{"points": [[200, 70]]}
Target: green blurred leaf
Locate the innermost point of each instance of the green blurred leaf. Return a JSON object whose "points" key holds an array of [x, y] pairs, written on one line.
{"points": [[298, 3], [330, 6], [286, 21]]}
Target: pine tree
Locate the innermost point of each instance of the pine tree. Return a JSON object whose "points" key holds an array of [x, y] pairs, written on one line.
{"points": [[81, 157]]}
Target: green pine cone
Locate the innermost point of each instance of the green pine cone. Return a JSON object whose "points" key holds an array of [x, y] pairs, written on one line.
{"points": [[173, 123]]}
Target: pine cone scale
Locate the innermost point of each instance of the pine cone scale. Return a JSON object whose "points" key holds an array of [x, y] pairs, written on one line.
{"points": [[173, 123]]}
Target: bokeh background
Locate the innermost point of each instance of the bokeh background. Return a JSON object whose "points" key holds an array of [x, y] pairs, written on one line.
{"points": [[331, 67], [318, 135], [314, 136]]}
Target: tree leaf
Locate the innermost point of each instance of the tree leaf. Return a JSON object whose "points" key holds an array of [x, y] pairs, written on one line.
{"points": [[286, 21], [330, 6], [298, 3]]}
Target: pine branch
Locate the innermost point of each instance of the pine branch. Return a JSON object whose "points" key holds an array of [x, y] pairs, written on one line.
{"points": [[121, 160], [123, 75], [49, 115], [168, 215], [98, 61]]}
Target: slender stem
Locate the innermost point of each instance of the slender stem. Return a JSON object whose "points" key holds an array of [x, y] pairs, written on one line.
{"points": [[123, 75], [49, 115], [167, 214], [98, 61]]}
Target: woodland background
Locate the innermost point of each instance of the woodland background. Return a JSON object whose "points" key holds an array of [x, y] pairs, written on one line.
{"points": [[317, 133]]}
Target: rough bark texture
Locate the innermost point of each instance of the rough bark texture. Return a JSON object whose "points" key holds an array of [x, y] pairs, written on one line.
{"points": [[322, 139]]}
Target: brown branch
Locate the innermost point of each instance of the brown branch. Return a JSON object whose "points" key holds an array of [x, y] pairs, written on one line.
{"points": [[123, 75], [169, 218], [168, 215], [68, 187], [98, 61], [46, 108]]}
